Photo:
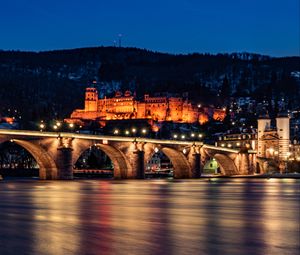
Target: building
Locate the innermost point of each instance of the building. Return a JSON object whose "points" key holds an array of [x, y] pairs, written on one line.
{"points": [[273, 142], [160, 108]]}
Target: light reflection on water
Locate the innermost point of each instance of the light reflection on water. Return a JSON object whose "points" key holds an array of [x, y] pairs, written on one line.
{"points": [[224, 216]]}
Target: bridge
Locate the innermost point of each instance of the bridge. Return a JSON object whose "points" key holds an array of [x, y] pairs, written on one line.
{"points": [[57, 152]]}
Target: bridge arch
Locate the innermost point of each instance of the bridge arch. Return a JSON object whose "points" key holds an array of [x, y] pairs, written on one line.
{"points": [[47, 167], [227, 165], [120, 163], [181, 166]]}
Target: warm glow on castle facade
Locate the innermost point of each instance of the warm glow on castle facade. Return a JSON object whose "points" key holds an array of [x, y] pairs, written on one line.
{"points": [[163, 108]]}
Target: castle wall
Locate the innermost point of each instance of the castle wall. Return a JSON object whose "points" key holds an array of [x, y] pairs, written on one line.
{"points": [[127, 107]]}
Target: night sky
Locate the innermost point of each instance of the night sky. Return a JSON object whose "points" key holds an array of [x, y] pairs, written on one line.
{"points": [[176, 26]]}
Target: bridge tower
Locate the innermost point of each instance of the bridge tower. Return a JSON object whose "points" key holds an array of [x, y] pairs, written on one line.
{"points": [[263, 124], [283, 130]]}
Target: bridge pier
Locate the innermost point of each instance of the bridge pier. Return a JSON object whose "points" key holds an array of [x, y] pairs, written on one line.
{"points": [[64, 163], [195, 161], [138, 169]]}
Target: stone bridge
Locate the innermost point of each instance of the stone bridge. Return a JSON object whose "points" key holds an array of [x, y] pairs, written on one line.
{"points": [[57, 152]]}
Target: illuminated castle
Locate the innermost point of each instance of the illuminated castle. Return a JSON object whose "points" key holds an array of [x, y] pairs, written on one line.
{"points": [[126, 106]]}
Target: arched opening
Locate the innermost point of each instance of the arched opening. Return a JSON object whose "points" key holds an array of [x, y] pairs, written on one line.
{"points": [[28, 157], [226, 164], [93, 162], [103, 156], [159, 166], [174, 158], [15, 161], [211, 167]]}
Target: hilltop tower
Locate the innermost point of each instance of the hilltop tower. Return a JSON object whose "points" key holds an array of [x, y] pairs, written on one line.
{"points": [[91, 100], [283, 131], [263, 124]]}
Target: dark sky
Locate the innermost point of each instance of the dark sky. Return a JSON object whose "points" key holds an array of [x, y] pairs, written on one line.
{"points": [[177, 26]]}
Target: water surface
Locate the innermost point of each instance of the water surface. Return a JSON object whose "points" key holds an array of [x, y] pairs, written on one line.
{"points": [[224, 216]]}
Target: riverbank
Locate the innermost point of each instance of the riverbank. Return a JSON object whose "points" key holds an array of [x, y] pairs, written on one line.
{"points": [[259, 176]]}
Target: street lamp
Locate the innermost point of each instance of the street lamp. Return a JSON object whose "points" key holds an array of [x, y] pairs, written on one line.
{"points": [[42, 126], [71, 125]]}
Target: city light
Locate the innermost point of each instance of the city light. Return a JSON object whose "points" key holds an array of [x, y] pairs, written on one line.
{"points": [[156, 149], [184, 151], [182, 136], [116, 131], [133, 130], [144, 131], [192, 135], [55, 127], [127, 132], [71, 125], [42, 126], [175, 136], [200, 135]]}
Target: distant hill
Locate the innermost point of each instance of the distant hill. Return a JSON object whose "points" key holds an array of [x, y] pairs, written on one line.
{"points": [[51, 84]]}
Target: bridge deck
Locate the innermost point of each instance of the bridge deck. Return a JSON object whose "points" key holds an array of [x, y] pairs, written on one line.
{"points": [[38, 134]]}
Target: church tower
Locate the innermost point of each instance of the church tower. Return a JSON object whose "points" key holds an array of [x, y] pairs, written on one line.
{"points": [[263, 124], [283, 131], [91, 100]]}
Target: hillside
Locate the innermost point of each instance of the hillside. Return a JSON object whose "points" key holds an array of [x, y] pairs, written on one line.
{"points": [[51, 84]]}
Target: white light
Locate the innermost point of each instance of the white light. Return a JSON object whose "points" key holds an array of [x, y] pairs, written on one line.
{"points": [[58, 124], [175, 136], [184, 150], [42, 126], [183, 136], [55, 127], [127, 132], [156, 149], [71, 125], [144, 131], [116, 131], [133, 130], [200, 135], [192, 135]]}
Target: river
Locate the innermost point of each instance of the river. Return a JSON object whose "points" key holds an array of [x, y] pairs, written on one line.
{"points": [[220, 216]]}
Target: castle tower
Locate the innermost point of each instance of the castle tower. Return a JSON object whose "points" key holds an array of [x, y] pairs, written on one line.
{"points": [[283, 131], [91, 100], [263, 124]]}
